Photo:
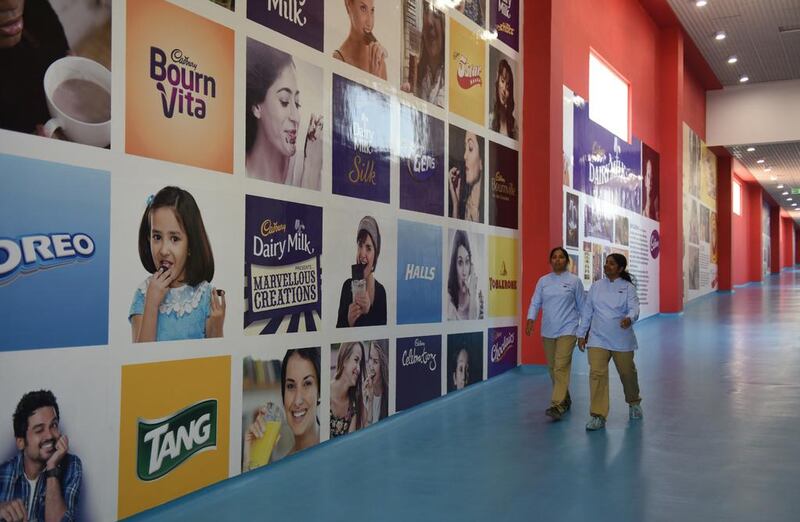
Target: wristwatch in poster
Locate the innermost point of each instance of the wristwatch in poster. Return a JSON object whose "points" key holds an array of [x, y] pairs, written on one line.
{"points": [[55, 472]]}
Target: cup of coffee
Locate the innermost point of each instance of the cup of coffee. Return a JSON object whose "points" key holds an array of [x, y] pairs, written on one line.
{"points": [[78, 92]]}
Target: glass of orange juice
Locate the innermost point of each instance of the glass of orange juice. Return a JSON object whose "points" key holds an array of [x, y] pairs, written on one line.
{"points": [[261, 448]]}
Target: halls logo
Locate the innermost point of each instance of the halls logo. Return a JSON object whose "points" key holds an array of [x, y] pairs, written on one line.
{"points": [[414, 271], [30, 253], [164, 444], [468, 75], [181, 86]]}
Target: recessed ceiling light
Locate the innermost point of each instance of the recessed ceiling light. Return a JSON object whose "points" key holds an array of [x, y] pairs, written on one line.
{"points": [[744, 79], [768, 169], [760, 161], [780, 186], [788, 199], [701, 3], [720, 35], [784, 193], [751, 149], [733, 59], [794, 204]]}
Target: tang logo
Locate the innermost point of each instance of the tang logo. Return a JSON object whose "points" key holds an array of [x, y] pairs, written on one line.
{"points": [[166, 443], [187, 89], [37, 252], [468, 75], [291, 10]]}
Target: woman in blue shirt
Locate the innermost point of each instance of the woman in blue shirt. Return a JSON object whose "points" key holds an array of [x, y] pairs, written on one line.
{"points": [[608, 314], [560, 296]]}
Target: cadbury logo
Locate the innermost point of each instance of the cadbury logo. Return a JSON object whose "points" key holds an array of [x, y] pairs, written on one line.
{"points": [[500, 349], [37, 251], [185, 88], [413, 357]]}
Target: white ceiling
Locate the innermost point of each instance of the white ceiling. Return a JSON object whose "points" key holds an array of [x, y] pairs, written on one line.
{"points": [[765, 37]]}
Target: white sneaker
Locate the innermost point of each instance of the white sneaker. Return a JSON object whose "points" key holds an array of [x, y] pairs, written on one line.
{"points": [[635, 412], [595, 423]]}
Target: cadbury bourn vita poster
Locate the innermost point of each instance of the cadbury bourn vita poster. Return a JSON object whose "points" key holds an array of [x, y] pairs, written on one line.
{"points": [[283, 246]]}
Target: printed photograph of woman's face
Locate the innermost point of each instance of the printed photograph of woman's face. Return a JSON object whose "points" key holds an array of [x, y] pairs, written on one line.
{"points": [[280, 401], [465, 181], [423, 51], [284, 120], [502, 98], [465, 288], [364, 34]]}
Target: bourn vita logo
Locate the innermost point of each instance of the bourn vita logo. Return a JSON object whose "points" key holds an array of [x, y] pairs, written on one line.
{"points": [[164, 444]]}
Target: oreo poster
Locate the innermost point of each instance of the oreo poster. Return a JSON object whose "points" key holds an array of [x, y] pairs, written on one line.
{"points": [[283, 247], [54, 254], [419, 370], [502, 354], [179, 86], [300, 20], [421, 162], [361, 141]]}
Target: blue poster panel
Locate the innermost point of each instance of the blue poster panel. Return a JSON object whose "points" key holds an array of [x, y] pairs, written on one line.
{"points": [[54, 244], [419, 273]]}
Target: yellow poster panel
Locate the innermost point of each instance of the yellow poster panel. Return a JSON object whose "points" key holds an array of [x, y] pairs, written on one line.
{"points": [[708, 177], [174, 430], [467, 73], [178, 86], [503, 277]]}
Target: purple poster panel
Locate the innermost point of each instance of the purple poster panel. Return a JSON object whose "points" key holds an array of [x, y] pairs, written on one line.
{"points": [[503, 186], [504, 18], [361, 142], [464, 360], [650, 175], [502, 350], [421, 162], [301, 20], [419, 370], [282, 249], [606, 166]]}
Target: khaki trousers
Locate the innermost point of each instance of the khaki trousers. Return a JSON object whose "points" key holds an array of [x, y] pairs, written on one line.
{"points": [[558, 352], [598, 379]]}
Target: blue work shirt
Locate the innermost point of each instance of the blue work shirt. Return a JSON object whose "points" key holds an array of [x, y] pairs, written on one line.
{"points": [[608, 303], [560, 296]]}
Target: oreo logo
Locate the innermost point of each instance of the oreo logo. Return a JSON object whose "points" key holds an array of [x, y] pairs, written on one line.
{"points": [[33, 252]]}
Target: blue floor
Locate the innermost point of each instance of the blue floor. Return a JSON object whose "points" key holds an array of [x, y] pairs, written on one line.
{"points": [[720, 440]]}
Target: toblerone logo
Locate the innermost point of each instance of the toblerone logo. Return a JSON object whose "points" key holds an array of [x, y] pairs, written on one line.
{"points": [[164, 444]]}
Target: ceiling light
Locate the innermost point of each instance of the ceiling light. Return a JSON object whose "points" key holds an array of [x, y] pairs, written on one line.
{"points": [[788, 199], [733, 59], [773, 178], [780, 186], [784, 193], [744, 79], [701, 3], [720, 35], [760, 161], [768, 169], [751, 149], [794, 204]]}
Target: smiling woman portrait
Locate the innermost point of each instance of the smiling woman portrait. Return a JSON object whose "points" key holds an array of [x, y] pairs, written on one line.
{"points": [[274, 100]]}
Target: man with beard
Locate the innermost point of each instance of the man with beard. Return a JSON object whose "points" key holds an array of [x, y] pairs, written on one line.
{"points": [[42, 481]]}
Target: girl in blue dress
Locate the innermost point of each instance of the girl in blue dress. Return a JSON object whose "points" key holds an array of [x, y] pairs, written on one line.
{"points": [[177, 301]]}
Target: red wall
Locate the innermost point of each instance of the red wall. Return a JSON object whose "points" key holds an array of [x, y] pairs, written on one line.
{"points": [[746, 235], [694, 103], [610, 29]]}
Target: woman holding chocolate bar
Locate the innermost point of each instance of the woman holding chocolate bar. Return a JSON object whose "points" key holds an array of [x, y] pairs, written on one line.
{"points": [[362, 301], [361, 49]]}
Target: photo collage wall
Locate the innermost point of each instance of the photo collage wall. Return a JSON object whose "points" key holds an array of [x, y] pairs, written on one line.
{"points": [[700, 248], [233, 231], [611, 202]]}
